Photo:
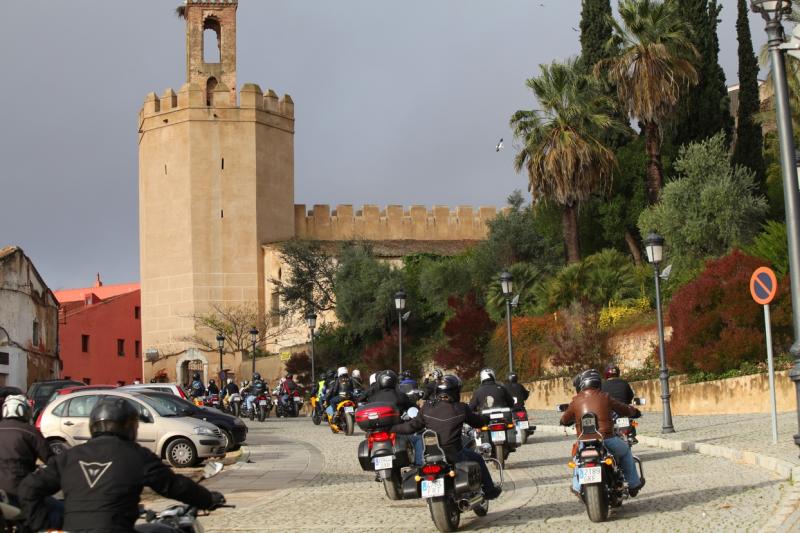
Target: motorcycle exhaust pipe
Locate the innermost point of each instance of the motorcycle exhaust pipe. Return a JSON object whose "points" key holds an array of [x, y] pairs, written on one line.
{"points": [[466, 504]]}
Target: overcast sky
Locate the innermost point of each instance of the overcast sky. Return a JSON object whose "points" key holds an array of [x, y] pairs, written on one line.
{"points": [[397, 102]]}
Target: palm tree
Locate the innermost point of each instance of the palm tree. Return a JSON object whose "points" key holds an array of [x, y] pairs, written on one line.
{"points": [[652, 64], [561, 147]]}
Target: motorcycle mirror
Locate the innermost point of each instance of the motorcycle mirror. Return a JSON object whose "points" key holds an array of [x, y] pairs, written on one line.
{"points": [[562, 407], [413, 412], [640, 401], [211, 469]]}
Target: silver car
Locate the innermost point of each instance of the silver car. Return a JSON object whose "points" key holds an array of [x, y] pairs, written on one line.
{"points": [[183, 441]]}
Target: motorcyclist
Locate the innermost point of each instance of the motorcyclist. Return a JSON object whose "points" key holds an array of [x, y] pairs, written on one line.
{"points": [[287, 388], [102, 479], [340, 386], [490, 394], [407, 382], [373, 387], [319, 386], [387, 392], [254, 389], [212, 387], [446, 415], [355, 377], [21, 444], [517, 391], [431, 382], [591, 399], [197, 388], [616, 387], [230, 388]]}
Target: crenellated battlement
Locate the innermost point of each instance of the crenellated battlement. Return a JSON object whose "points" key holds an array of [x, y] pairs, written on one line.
{"points": [[192, 96], [392, 223]]}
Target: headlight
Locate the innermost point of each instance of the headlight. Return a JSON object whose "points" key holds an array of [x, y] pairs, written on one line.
{"points": [[201, 430]]}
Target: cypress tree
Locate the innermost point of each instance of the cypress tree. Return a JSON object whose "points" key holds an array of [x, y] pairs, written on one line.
{"points": [[705, 110], [749, 140], [595, 31]]}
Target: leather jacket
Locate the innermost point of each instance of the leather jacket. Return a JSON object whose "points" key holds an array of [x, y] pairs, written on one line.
{"points": [[601, 404], [490, 395], [20, 445]]}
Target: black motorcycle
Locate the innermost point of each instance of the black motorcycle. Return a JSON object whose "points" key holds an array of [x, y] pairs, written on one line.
{"points": [[383, 452], [500, 434]]}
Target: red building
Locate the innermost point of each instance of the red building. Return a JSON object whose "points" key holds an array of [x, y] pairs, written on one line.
{"points": [[101, 333]]}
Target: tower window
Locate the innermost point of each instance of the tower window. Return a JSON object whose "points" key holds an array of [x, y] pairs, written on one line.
{"points": [[210, 86], [211, 40], [85, 343]]}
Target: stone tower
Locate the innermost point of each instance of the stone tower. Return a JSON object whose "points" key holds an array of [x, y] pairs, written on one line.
{"points": [[216, 181]]}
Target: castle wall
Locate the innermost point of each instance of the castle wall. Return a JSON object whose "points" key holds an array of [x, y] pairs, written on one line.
{"points": [[395, 223]]}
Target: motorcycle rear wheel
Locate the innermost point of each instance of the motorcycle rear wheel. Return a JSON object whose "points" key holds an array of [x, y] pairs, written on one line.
{"points": [[524, 439], [236, 409], [316, 417], [596, 501], [393, 485], [262, 413], [349, 424], [445, 513], [252, 413], [267, 411]]}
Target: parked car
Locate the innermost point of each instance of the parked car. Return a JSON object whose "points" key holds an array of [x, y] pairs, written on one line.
{"points": [[234, 431], [40, 392], [172, 388], [70, 390], [181, 440]]}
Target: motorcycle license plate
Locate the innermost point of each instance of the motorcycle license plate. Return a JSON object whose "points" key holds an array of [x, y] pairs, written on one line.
{"points": [[590, 475], [523, 424], [298, 399], [623, 422], [498, 436], [433, 489], [348, 409], [382, 463], [262, 402]]}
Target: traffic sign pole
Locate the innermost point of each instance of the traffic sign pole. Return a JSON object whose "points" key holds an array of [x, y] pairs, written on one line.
{"points": [[771, 370]]}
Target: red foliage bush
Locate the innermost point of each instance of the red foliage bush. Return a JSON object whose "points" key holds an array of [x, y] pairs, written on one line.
{"points": [[467, 332], [531, 337], [716, 324], [383, 354]]}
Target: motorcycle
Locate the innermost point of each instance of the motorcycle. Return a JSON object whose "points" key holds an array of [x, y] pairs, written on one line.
{"points": [[199, 401], [11, 518], [212, 400], [625, 427], [523, 426], [234, 403], [500, 434], [288, 405], [449, 489], [316, 410], [383, 452], [602, 484], [262, 407], [343, 415]]}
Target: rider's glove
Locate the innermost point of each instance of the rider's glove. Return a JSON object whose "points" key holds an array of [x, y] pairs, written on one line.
{"points": [[637, 414], [217, 499]]}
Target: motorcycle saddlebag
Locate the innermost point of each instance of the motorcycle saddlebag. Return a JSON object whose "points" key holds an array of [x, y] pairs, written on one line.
{"points": [[468, 477], [410, 485], [364, 457], [377, 416], [403, 451]]}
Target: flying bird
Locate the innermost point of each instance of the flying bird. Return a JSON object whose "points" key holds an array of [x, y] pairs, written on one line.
{"points": [[499, 145]]}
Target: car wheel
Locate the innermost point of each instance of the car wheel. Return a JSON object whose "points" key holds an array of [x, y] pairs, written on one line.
{"points": [[181, 453], [230, 442], [58, 446]]}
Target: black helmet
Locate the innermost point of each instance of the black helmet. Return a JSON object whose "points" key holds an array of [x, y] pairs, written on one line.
{"points": [[116, 416], [331, 374], [449, 387], [387, 379], [513, 378], [590, 379], [196, 376], [406, 374], [576, 382], [612, 371], [256, 377], [321, 376]]}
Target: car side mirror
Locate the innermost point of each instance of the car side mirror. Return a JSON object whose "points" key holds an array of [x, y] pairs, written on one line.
{"points": [[562, 407], [640, 401], [145, 417]]}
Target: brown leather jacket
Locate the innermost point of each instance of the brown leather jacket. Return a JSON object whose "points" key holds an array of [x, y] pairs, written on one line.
{"points": [[601, 404]]}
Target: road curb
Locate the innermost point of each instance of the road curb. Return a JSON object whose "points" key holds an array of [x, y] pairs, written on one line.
{"points": [[787, 513]]}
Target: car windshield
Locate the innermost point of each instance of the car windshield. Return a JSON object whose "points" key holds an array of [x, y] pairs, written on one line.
{"points": [[166, 405]]}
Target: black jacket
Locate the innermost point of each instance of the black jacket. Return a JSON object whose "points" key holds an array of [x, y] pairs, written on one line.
{"points": [[446, 419], [102, 481], [394, 397], [619, 389], [371, 391], [516, 390], [430, 390], [340, 385], [230, 388], [20, 445], [213, 389], [490, 389]]}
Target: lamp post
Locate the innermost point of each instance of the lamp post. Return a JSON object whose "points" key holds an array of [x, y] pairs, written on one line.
{"points": [[507, 285], [655, 253], [221, 346], [400, 304], [253, 340], [311, 320], [773, 11]]}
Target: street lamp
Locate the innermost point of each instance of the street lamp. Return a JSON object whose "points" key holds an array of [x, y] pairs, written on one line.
{"points": [[221, 346], [654, 244], [400, 304], [507, 285], [773, 11], [253, 340], [311, 320]]}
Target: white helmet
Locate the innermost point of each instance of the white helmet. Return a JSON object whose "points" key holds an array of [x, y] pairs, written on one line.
{"points": [[341, 371], [16, 406], [356, 373], [372, 378], [230, 380], [487, 373]]}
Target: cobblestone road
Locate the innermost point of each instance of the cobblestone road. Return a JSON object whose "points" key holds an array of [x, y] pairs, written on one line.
{"points": [[302, 478]]}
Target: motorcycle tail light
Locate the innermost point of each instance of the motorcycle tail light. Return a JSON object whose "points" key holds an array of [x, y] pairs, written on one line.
{"points": [[431, 469], [497, 427], [522, 414], [590, 465]]}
